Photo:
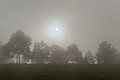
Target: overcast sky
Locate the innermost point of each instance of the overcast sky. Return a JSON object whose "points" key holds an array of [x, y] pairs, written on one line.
{"points": [[85, 22]]}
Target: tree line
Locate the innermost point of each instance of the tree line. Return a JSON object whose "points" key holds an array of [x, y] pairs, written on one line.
{"points": [[18, 51]]}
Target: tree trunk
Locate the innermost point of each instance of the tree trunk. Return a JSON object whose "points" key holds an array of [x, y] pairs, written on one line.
{"points": [[19, 58]]}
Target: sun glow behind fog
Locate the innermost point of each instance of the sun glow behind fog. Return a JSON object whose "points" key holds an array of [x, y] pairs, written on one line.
{"points": [[51, 33], [57, 29], [55, 32]]}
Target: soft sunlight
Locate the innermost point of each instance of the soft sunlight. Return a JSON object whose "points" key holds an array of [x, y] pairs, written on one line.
{"points": [[55, 32], [57, 29]]}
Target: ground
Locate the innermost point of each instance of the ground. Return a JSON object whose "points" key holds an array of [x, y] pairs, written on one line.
{"points": [[59, 72]]}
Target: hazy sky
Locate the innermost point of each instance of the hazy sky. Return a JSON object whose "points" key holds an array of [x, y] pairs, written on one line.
{"points": [[85, 22]]}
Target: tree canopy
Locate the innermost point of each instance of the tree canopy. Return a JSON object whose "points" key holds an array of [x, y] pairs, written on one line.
{"points": [[41, 53], [18, 46], [106, 53], [58, 55], [89, 58], [18, 50], [74, 55]]}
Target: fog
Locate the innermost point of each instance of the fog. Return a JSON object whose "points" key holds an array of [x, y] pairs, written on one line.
{"points": [[85, 22]]}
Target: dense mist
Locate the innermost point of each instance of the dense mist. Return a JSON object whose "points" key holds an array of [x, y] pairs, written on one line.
{"points": [[84, 22]]}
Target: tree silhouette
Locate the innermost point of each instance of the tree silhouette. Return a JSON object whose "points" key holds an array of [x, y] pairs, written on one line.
{"points": [[58, 55], [106, 53], [3, 58], [41, 53], [74, 55], [89, 58], [19, 44], [117, 58]]}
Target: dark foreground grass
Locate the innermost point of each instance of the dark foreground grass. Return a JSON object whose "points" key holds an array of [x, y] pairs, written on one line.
{"points": [[59, 72]]}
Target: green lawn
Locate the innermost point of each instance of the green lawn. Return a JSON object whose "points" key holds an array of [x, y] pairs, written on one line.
{"points": [[59, 72]]}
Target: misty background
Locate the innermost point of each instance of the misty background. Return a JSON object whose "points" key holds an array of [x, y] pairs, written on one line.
{"points": [[85, 22]]}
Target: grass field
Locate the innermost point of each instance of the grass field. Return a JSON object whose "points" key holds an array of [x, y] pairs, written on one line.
{"points": [[59, 72]]}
